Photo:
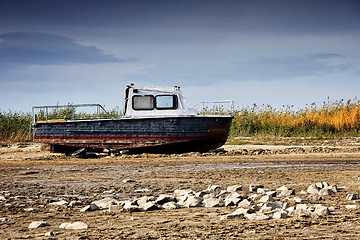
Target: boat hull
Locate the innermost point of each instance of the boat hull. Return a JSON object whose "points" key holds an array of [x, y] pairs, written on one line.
{"points": [[162, 135]]}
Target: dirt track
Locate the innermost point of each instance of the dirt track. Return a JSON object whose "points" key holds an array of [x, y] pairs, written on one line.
{"points": [[31, 178]]}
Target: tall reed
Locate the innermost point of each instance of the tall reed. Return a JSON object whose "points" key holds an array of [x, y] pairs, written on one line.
{"points": [[330, 118], [14, 126]]}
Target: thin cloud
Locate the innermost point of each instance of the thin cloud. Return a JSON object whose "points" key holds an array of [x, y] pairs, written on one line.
{"points": [[326, 56], [275, 68], [19, 49], [265, 69]]}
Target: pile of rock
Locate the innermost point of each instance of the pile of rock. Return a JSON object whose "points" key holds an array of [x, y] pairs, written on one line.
{"points": [[260, 204]]}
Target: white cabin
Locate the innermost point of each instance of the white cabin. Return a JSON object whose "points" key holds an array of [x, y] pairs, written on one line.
{"points": [[155, 102]]}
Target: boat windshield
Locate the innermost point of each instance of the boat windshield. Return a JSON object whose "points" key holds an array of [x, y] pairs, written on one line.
{"points": [[166, 102], [160, 102], [143, 102]]}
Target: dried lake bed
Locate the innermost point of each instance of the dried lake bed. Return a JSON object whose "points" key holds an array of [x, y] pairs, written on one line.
{"points": [[32, 180]]}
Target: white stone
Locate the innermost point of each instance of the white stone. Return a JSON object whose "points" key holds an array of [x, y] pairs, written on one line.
{"points": [[149, 206], [234, 188], [282, 188], [332, 209], [320, 185], [321, 210], [145, 199], [280, 214], [352, 196], [105, 203], [256, 216], [326, 192], [130, 206], [290, 209], [314, 198], [254, 197], [38, 224], [186, 192], [74, 226], [262, 190], [254, 209], [334, 188], [266, 198], [271, 193], [64, 225], [214, 188], [210, 195], [59, 203], [232, 216], [244, 203], [313, 189], [265, 209], [29, 209], [301, 200], [170, 205], [211, 202], [233, 199], [238, 213], [222, 194], [242, 211], [285, 205], [142, 190], [49, 234], [128, 181], [181, 200], [286, 193], [75, 203], [351, 207], [302, 192], [193, 201], [91, 207], [301, 206]]}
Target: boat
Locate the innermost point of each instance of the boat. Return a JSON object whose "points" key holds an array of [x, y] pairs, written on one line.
{"points": [[154, 120]]}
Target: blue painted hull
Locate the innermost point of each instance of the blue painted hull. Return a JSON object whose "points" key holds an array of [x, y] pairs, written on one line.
{"points": [[162, 134]]}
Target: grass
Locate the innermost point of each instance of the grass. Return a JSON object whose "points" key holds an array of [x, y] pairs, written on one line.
{"points": [[14, 127], [331, 119], [328, 120]]}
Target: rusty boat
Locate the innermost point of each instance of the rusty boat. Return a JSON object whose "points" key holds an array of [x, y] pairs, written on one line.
{"points": [[155, 119]]}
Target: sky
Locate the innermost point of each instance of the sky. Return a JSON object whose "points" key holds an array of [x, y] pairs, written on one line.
{"points": [[276, 52]]}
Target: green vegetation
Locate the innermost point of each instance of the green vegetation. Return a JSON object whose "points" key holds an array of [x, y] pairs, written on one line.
{"points": [[329, 120], [14, 127]]}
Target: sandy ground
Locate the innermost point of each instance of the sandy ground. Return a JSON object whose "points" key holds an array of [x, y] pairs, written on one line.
{"points": [[32, 178]]}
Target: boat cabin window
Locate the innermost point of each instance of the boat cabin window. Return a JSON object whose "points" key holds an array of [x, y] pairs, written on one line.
{"points": [[166, 102], [143, 102]]}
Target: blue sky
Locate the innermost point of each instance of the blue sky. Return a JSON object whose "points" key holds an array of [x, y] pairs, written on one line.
{"points": [[277, 52]]}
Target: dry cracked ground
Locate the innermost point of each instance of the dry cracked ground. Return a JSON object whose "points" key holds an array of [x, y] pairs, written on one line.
{"points": [[38, 186]]}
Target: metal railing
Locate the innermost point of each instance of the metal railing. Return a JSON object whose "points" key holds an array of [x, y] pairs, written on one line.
{"points": [[223, 107], [67, 112]]}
